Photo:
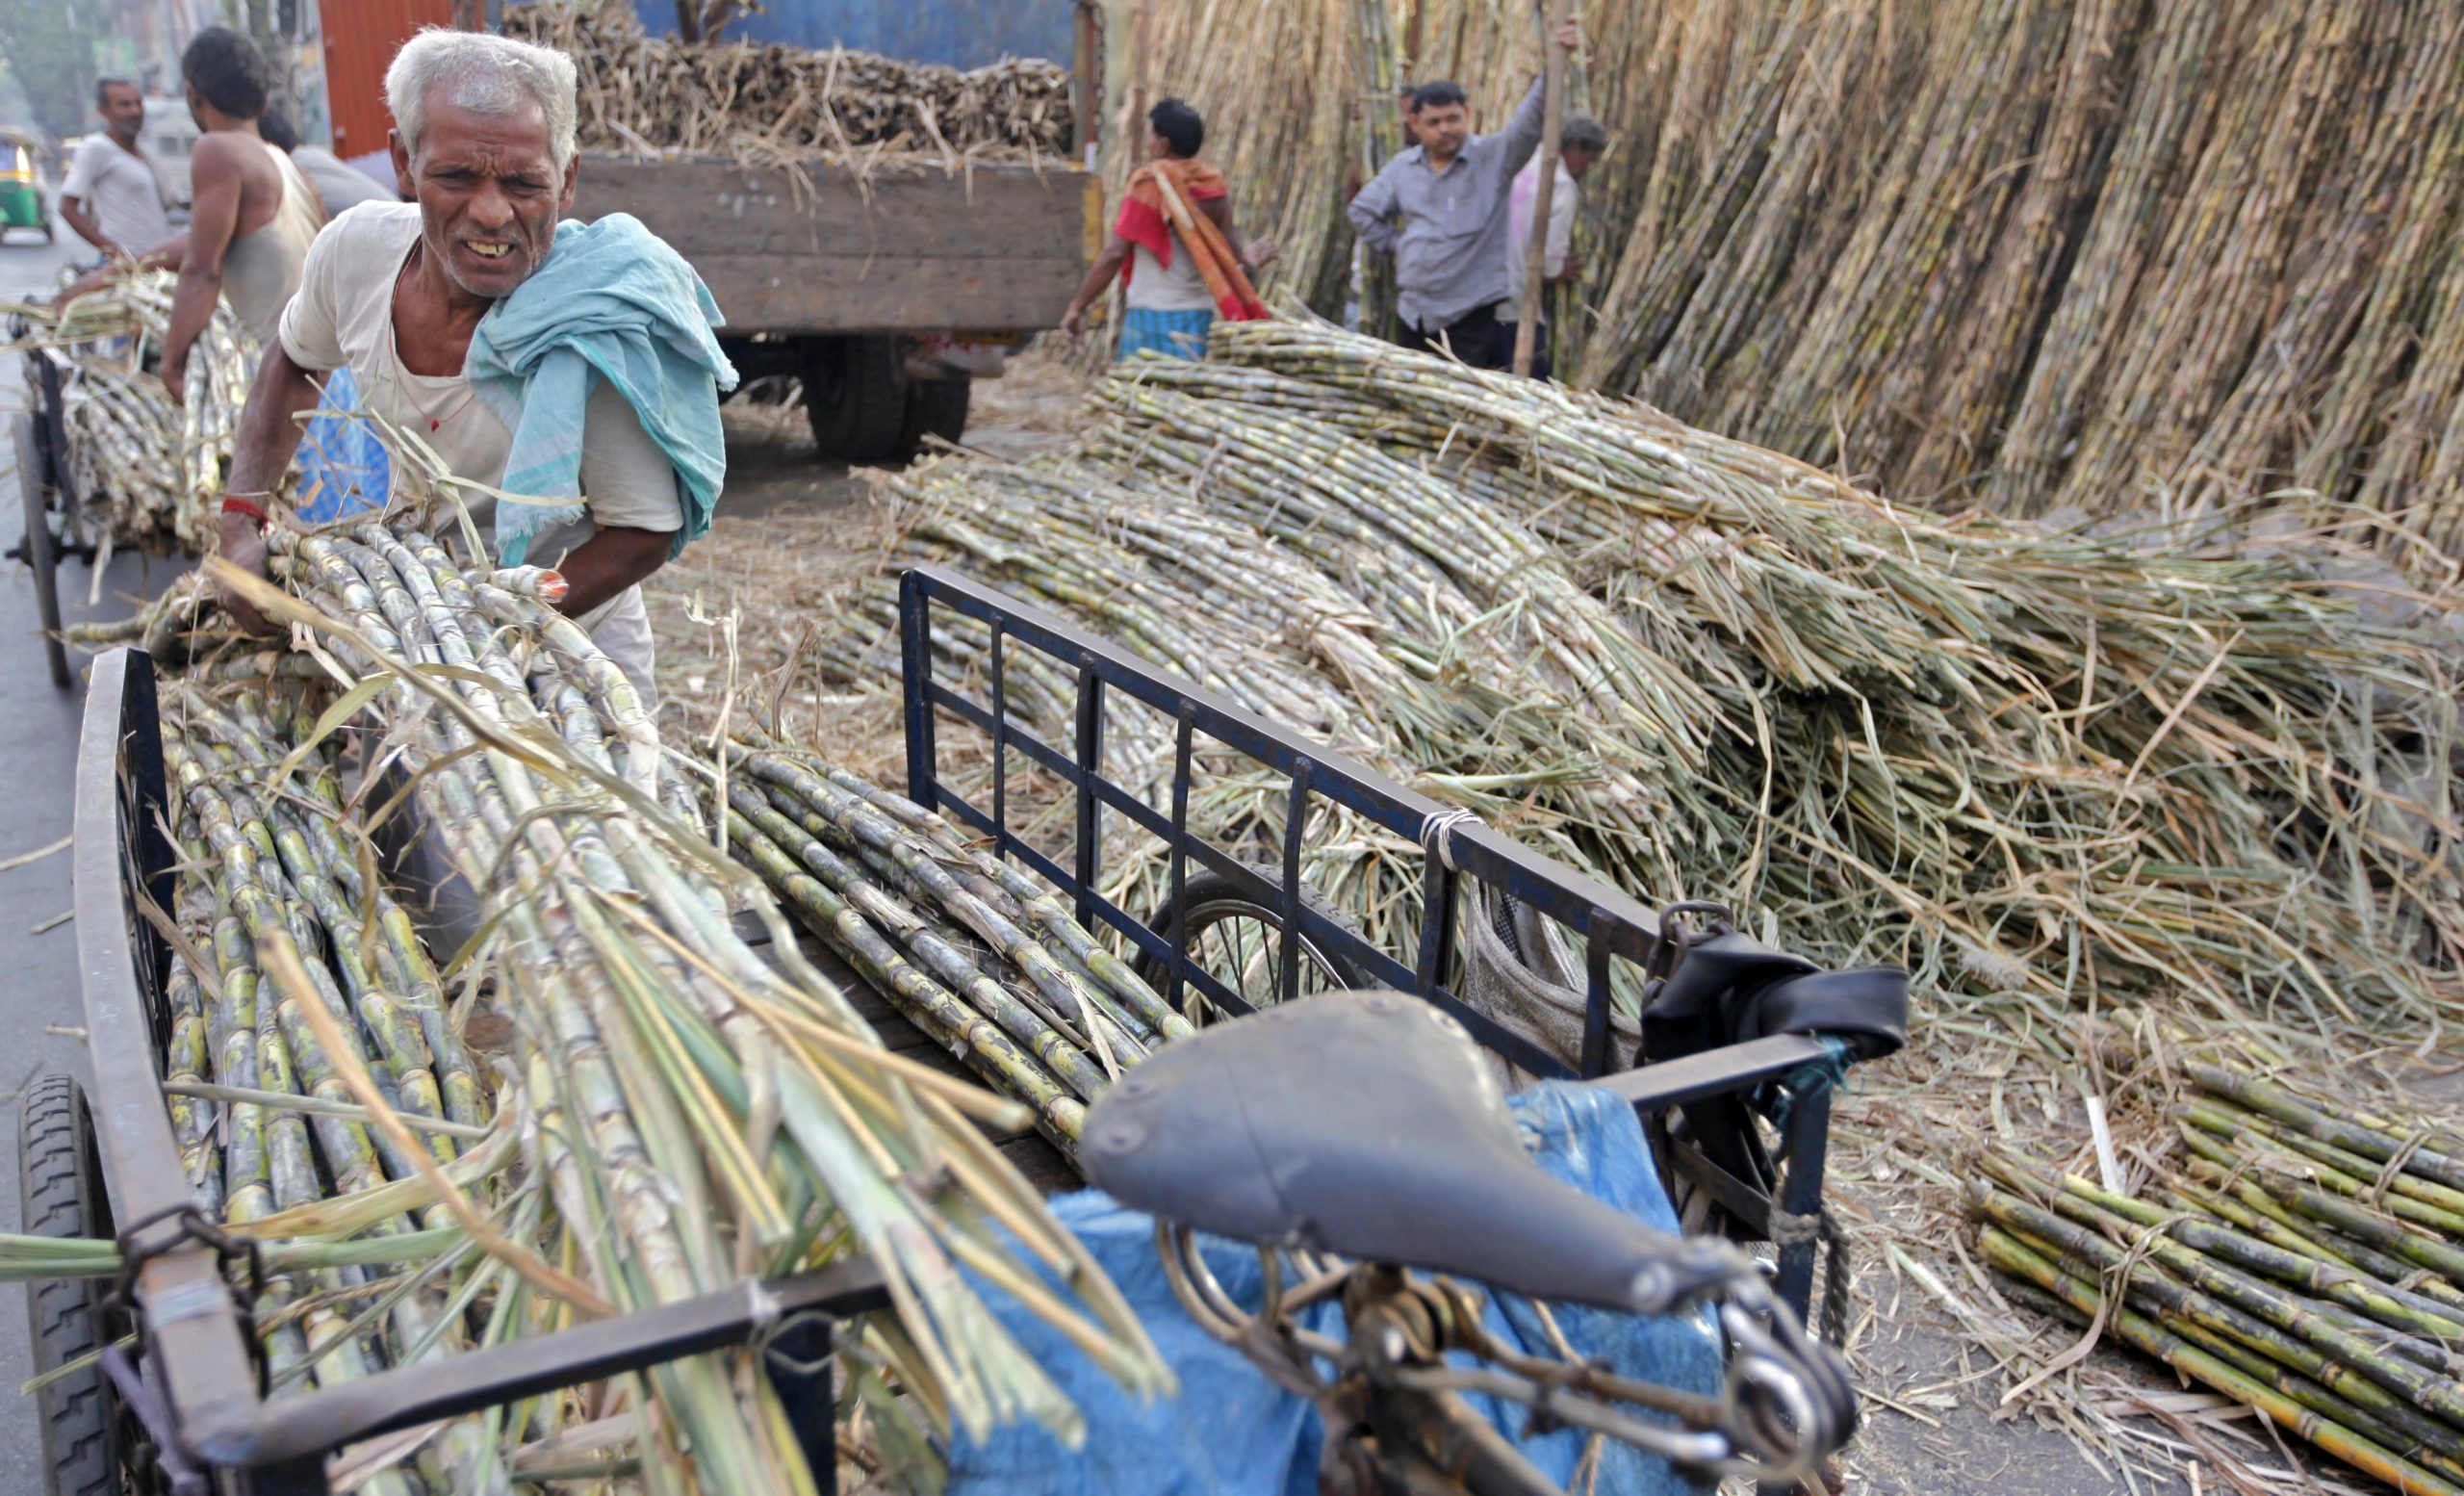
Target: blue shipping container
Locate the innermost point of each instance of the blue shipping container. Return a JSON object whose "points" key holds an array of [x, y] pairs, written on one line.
{"points": [[954, 32]]}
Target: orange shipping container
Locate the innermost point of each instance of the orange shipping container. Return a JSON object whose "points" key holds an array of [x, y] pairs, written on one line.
{"points": [[361, 38]]}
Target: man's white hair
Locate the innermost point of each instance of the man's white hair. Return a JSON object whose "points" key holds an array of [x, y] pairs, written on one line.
{"points": [[485, 74]]}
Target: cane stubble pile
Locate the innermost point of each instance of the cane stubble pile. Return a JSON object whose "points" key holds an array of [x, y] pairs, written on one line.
{"points": [[2056, 254], [641, 92], [2059, 769]]}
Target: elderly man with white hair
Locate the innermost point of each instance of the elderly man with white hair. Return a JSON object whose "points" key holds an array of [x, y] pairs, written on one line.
{"points": [[569, 369]]}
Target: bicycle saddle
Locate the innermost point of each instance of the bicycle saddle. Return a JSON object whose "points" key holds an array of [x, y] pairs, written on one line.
{"points": [[1365, 1124]]}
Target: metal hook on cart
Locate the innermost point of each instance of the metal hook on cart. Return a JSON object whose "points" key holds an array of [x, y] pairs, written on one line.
{"points": [[193, 1226]]}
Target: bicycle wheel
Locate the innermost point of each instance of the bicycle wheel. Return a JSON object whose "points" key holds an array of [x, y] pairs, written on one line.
{"points": [[1239, 940]]}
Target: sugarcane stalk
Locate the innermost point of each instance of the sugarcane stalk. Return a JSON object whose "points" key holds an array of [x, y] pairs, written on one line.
{"points": [[2006, 1254], [2334, 1210], [965, 1031], [2231, 1122], [2085, 1204], [2338, 1352]]}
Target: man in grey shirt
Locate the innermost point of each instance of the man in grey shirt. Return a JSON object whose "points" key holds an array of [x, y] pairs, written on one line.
{"points": [[340, 186], [112, 197], [1449, 194]]}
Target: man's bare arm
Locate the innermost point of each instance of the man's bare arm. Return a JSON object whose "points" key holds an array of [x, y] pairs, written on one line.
{"points": [[211, 217], [73, 210], [1099, 276], [268, 438], [609, 562], [165, 257]]}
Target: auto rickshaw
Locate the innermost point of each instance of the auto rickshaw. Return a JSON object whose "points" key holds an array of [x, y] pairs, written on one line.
{"points": [[22, 202]]}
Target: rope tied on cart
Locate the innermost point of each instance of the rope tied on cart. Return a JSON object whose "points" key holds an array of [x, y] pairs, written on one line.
{"points": [[1838, 1265], [1437, 833], [1787, 1230]]}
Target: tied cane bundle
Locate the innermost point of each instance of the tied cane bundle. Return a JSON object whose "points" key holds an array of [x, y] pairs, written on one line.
{"points": [[2297, 1254]]}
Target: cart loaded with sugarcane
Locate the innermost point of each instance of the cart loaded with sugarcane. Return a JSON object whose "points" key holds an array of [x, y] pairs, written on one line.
{"points": [[713, 1145], [104, 458]]}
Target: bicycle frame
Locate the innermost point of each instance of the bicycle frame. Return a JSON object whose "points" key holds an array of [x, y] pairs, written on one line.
{"points": [[1735, 1169]]}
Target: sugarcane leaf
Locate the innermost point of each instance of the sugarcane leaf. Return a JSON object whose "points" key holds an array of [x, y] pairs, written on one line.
{"points": [[343, 709]]}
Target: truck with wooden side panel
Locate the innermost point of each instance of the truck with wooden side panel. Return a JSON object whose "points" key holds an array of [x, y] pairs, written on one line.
{"points": [[884, 288], [857, 283]]}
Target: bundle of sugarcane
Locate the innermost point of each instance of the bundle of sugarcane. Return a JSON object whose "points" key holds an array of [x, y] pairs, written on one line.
{"points": [[147, 467], [979, 956], [690, 1113], [644, 93], [305, 1008], [2307, 1258], [2023, 762]]}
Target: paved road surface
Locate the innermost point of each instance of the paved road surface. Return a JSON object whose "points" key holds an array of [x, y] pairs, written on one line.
{"points": [[38, 749]]}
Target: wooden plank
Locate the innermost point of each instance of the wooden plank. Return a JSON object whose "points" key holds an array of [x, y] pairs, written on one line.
{"points": [[995, 248], [762, 294]]}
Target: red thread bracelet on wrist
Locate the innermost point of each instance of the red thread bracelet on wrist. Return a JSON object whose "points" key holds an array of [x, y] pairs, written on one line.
{"points": [[234, 505]]}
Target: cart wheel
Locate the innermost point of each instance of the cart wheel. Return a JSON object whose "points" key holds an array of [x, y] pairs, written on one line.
{"points": [[856, 398], [59, 1193], [934, 407], [43, 552], [1239, 941]]}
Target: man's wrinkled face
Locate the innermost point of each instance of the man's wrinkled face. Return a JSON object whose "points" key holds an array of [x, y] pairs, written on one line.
{"points": [[1442, 128], [123, 110], [489, 194]]}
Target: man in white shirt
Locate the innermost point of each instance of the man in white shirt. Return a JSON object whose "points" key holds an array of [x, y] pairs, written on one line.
{"points": [[112, 197], [1580, 143], [484, 141]]}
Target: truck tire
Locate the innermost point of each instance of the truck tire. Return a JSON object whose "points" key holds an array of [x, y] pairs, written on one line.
{"points": [[856, 398], [934, 407], [59, 1193]]}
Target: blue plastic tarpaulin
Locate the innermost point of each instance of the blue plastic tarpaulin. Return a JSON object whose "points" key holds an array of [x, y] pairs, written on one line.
{"points": [[1231, 1433], [343, 469]]}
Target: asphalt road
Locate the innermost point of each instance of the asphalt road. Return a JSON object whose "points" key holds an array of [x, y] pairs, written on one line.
{"points": [[38, 724]]}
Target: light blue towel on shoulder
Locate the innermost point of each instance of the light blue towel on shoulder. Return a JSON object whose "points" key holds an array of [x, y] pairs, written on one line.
{"points": [[612, 301]]}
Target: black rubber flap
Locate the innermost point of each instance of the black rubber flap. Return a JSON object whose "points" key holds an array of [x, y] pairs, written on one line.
{"points": [[1363, 1124], [1731, 988]]}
